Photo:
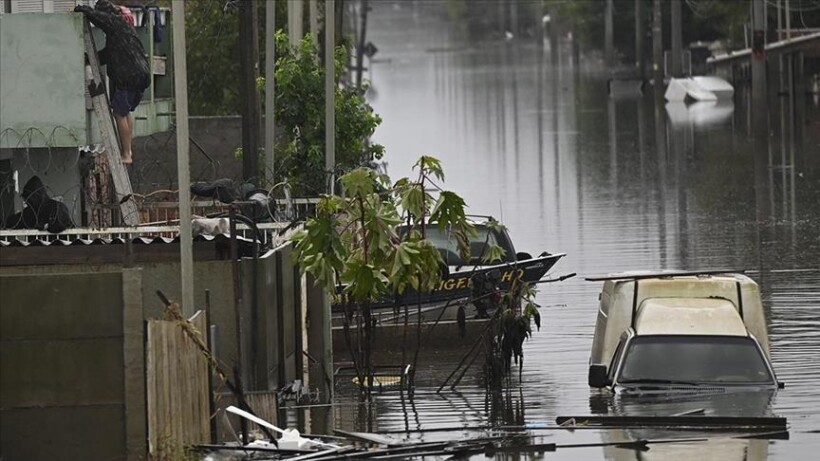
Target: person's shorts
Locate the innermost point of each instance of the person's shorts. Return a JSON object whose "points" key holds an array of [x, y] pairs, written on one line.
{"points": [[124, 101]]}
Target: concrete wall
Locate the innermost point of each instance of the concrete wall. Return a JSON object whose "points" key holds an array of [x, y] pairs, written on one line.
{"points": [[73, 363], [214, 141], [42, 81], [214, 276], [61, 362]]}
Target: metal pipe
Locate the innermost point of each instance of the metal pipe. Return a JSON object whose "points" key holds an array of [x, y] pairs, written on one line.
{"points": [[739, 300], [634, 304]]}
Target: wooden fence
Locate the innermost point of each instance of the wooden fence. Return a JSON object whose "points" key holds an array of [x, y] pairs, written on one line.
{"points": [[177, 387]]}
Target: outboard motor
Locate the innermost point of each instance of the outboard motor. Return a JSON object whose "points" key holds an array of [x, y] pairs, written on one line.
{"points": [[485, 293]]}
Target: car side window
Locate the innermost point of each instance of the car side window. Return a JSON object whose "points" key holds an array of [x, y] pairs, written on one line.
{"points": [[616, 357]]}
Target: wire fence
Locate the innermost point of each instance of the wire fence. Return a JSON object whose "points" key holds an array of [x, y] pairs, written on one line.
{"points": [[74, 184], [54, 189]]}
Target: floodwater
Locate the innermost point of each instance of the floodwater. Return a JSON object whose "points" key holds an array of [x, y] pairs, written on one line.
{"points": [[618, 184]]}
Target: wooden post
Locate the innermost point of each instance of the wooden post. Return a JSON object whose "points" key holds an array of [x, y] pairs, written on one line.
{"points": [[270, 90], [248, 94], [186, 250]]}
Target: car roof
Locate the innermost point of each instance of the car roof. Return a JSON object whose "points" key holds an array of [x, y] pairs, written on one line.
{"points": [[689, 316]]}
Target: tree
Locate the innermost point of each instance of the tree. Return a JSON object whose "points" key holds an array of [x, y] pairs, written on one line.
{"points": [[300, 117], [212, 35], [352, 248]]}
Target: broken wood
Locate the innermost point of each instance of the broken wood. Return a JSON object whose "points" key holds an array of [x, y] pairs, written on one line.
{"points": [[197, 337]]}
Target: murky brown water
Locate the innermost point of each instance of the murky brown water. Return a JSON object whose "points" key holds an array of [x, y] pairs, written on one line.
{"points": [[617, 185]]}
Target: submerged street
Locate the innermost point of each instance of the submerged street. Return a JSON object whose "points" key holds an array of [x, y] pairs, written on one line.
{"points": [[618, 183]]}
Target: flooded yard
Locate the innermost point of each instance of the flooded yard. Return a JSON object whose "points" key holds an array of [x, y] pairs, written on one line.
{"points": [[618, 183]]}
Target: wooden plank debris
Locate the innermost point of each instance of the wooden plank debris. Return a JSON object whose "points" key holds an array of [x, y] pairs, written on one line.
{"points": [[368, 437], [459, 449]]}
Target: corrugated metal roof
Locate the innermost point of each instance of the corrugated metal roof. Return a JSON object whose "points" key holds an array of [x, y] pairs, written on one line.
{"points": [[78, 241]]}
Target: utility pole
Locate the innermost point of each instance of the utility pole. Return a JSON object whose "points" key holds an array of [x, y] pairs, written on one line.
{"points": [[514, 17], [608, 35], [553, 33], [186, 244], [330, 163], [639, 35], [677, 39], [270, 89], [296, 14], [657, 44], [788, 21], [248, 94], [759, 85], [360, 46], [330, 95], [313, 14]]}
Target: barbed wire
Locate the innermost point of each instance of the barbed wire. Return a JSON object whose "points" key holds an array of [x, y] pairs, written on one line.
{"points": [[80, 178], [814, 5]]}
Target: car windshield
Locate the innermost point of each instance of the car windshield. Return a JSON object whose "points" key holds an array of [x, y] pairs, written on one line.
{"points": [[694, 359], [448, 246]]}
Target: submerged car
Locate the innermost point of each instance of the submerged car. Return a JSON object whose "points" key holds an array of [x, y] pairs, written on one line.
{"points": [[680, 331]]}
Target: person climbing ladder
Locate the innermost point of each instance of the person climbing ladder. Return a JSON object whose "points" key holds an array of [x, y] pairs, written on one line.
{"points": [[127, 65]]}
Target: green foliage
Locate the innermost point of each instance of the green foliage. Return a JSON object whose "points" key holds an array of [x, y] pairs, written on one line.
{"points": [[300, 117], [519, 311], [212, 42], [702, 20], [353, 236]]}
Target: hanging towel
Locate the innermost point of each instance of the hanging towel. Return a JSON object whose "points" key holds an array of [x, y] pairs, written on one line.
{"points": [[159, 25]]}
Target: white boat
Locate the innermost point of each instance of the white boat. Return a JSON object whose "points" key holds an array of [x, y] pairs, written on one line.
{"points": [[700, 88]]}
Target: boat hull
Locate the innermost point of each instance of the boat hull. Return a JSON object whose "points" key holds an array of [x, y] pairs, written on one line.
{"points": [[457, 285]]}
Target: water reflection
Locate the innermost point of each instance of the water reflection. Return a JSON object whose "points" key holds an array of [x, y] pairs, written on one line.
{"points": [[701, 114], [619, 184], [723, 446]]}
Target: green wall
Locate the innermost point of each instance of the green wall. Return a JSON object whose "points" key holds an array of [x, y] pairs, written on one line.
{"points": [[42, 85]]}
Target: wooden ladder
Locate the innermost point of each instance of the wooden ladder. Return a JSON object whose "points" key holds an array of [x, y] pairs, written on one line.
{"points": [[108, 133]]}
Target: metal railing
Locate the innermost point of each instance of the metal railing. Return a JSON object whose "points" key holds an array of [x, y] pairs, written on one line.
{"points": [[167, 212], [162, 220]]}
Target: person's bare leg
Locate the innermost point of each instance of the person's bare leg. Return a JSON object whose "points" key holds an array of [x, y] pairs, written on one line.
{"points": [[124, 126]]}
